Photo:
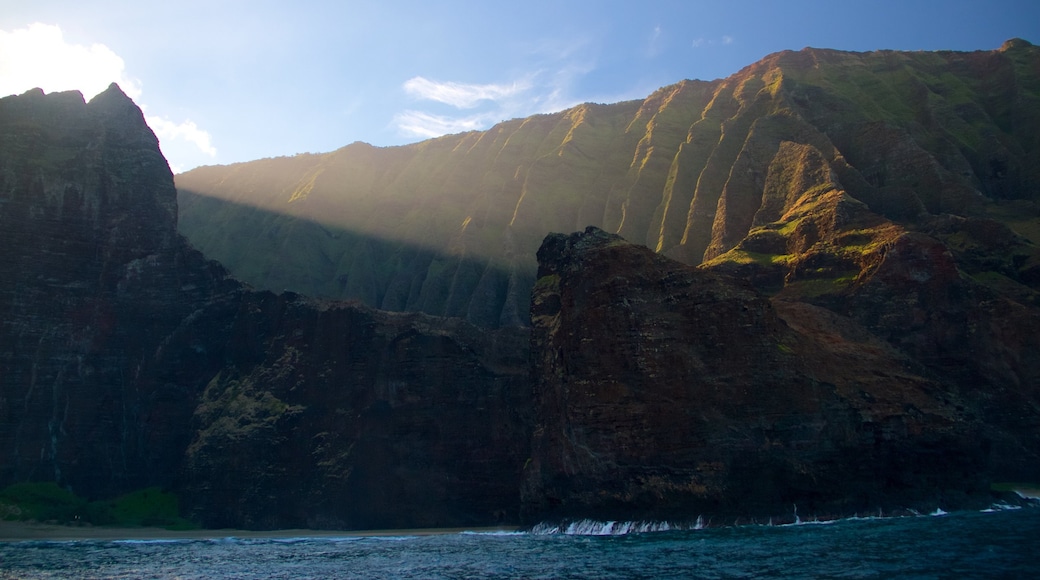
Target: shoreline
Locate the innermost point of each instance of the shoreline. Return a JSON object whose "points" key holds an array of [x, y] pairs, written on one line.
{"points": [[30, 532]]}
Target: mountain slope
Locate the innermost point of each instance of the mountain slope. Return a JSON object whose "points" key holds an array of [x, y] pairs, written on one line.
{"points": [[448, 226]]}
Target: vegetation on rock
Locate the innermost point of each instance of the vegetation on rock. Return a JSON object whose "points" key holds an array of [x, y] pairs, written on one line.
{"points": [[46, 502]]}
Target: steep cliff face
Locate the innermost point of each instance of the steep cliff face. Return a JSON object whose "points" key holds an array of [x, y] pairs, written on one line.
{"points": [[664, 391], [335, 416], [448, 226], [100, 366], [128, 360]]}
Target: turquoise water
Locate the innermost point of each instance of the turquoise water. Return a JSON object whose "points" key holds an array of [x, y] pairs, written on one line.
{"points": [[998, 544]]}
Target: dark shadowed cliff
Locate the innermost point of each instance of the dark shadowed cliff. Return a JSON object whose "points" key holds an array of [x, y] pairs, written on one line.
{"points": [[127, 360], [450, 226], [665, 391]]}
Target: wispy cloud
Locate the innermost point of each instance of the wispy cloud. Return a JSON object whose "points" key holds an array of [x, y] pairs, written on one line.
{"points": [[185, 130], [461, 95], [537, 92], [654, 44], [427, 125], [701, 41], [544, 86], [39, 56]]}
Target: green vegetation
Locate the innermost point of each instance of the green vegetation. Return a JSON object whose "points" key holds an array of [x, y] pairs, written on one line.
{"points": [[47, 502], [149, 507], [40, 502], [740, 256], [814, 287], [550, 282], [1020, 216]]}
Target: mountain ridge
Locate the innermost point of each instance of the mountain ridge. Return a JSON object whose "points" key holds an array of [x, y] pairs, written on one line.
{"points": [[684, 171]]}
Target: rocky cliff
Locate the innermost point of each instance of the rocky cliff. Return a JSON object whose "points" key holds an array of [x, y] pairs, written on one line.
{"points": [[665, 391], [450, 226], [328, 415], [128, 360], [96, 287]]}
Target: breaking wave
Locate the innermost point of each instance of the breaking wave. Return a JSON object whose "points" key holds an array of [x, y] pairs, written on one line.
{"points": [[612, 528], [589, 527]]}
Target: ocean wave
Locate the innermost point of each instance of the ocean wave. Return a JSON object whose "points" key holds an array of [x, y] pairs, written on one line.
{"points": [[590, 527], [612, 528]]}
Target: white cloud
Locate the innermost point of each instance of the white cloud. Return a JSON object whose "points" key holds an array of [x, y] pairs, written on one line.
{"points": [[497, 102], [426, 125], [538, 92], [186, 130], [544, 85], [461, 95], [727, 39], [38, 56]]}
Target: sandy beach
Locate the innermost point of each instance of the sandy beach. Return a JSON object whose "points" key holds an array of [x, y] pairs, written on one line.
{"points": [[23, 531]]}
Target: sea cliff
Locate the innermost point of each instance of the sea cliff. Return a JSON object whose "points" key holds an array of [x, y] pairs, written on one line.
{"points": [[855, 329]]}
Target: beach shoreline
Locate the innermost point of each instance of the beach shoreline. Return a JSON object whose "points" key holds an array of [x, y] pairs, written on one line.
{"points": [[32, 531]]}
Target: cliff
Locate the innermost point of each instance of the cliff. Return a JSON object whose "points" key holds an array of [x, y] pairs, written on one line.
{"points": [[665, 391], [129, 361], [334, 416], [96, 283], [450, 226]]}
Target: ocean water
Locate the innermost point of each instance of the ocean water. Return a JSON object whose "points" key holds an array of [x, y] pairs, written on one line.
{"points": [[1003, 543]]}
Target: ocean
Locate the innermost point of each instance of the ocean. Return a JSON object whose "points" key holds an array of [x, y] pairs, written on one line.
{"points": [[998, 543]]}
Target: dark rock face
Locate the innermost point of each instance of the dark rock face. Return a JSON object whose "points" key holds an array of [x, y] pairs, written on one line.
{"points": [[665, 391], [98, 367], [334, 416], [128, 360]]}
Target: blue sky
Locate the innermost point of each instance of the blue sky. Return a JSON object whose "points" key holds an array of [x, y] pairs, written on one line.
{"points": [[223, 81]]}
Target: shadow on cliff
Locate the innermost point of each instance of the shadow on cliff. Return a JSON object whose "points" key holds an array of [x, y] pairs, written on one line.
{"points": [[302, 255]]}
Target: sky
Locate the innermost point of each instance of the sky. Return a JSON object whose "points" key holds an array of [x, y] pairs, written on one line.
{"points": [[225, 81]]}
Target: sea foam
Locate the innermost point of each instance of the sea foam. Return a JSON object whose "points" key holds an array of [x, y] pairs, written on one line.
{"points": [[612, 528]]}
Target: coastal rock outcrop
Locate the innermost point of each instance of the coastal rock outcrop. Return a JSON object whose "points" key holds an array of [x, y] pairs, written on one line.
{"points": [[666, 391]]}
